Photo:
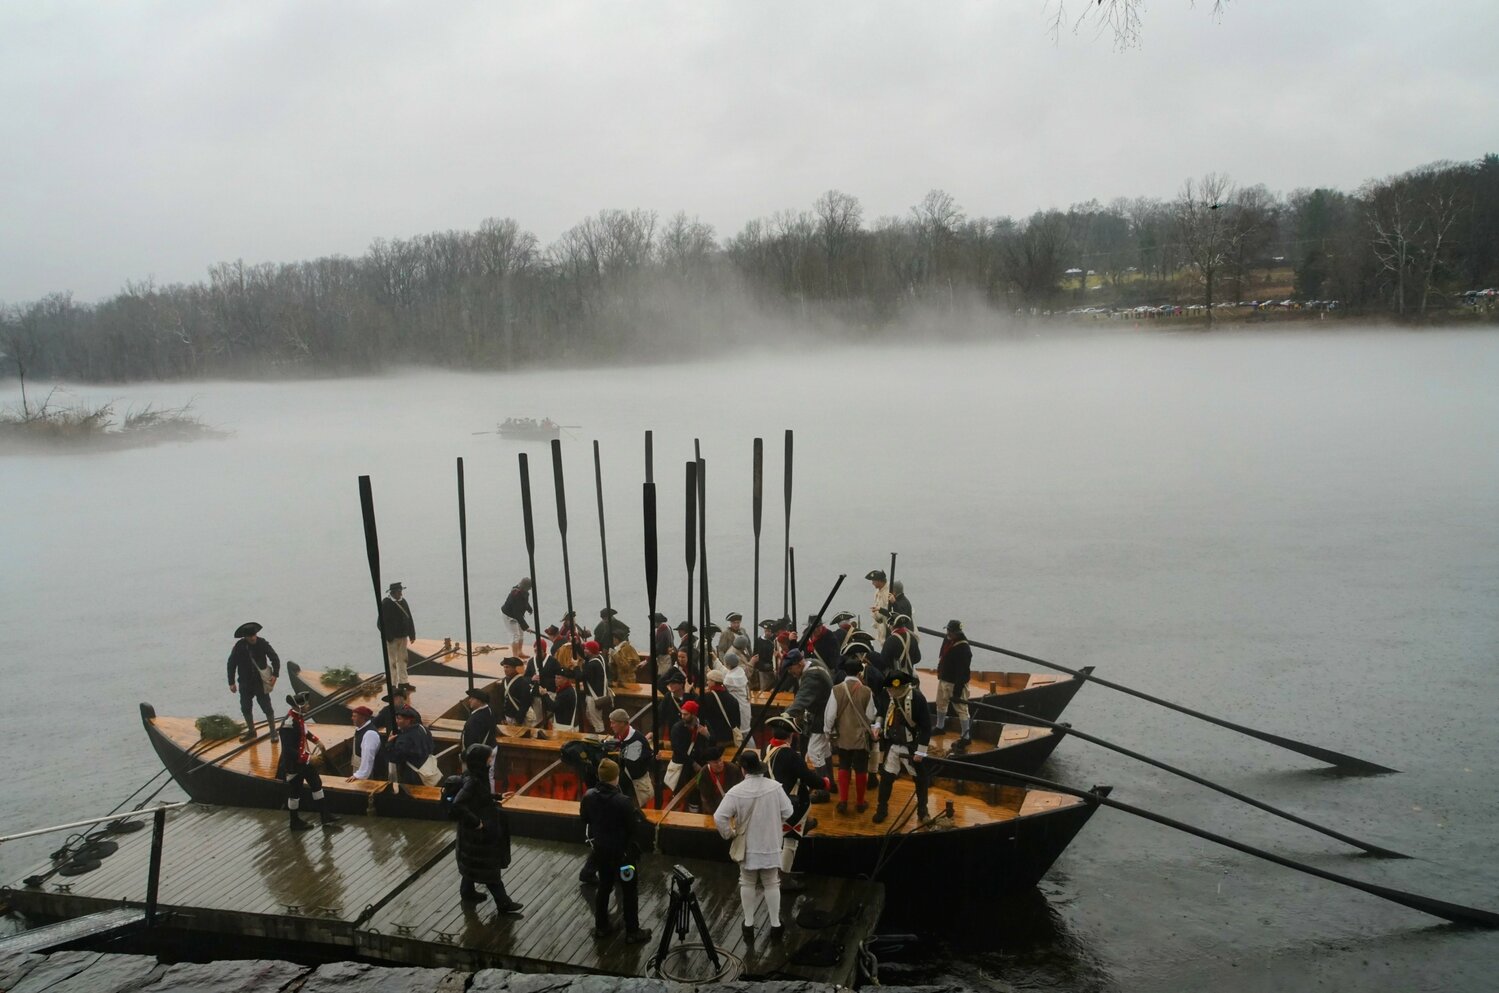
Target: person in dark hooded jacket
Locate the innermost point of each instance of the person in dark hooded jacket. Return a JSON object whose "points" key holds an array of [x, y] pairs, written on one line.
{"points": [[483, 850]]}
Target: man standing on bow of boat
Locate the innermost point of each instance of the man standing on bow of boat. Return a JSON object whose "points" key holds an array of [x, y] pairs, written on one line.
{"points": [[954, 668], [515, 608], [295, 765], [397, 627], [253, 668], [881, 606]]}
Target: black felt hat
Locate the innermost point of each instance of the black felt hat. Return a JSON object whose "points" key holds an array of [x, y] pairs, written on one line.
{"points": [[674, 675], [511, 662], [770, 622], [477, 694], [687, 626], [842, 616], [658, 618], [396, 587], [246, 629], [608, 612], [781, 722], [874, 574], [895, 679], [303, 699], [954, 625]]}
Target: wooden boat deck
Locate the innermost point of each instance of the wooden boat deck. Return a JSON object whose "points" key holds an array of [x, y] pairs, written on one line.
{"points": [[387, 889]]}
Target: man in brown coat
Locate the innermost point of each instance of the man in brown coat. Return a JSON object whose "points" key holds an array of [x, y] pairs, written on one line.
{"points": [[850, 716]]}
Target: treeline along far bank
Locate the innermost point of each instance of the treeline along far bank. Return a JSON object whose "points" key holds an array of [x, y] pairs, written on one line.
{"points": [[627, 283]]}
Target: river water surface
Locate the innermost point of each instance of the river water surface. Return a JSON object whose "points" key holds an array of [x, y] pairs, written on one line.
{"points": [[1299, 532]]}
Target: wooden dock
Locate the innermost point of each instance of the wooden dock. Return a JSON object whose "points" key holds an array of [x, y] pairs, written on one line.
{"points": [[386, 890]]}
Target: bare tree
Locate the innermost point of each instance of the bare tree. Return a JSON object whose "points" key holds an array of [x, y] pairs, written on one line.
{"points": [[1208, 230], [839, 218], [1121, 18]]}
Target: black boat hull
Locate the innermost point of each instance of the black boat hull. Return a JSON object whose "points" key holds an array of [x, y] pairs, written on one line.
{"points": [[983, 861]]}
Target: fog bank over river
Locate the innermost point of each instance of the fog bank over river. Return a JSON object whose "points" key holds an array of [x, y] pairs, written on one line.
{"points": [[1296, 531]]}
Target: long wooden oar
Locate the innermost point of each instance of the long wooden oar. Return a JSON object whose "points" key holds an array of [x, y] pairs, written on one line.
{"points": [[648, 505], [1378, 850], [791, 564], [1314, 751], [1456, 913], [786, 610], [757, 505], [759, 716], [530, 527], [598, 485], [372, 551], [567, 574], [468, 624], [705, 611], [691, 549]]}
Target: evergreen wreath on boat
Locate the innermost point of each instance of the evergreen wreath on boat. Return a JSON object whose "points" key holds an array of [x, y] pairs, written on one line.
{"points": [[341, 677], [218, 727]]}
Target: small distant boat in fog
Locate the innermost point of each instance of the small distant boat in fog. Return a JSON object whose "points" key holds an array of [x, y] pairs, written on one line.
{"points": [[529, 429]]}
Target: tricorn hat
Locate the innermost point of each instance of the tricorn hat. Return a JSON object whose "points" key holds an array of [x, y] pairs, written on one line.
{"points": [[246, 629], [608, 612], [771, 623], [874, 574], [477, 694], [302, 699], [674, 675], [511, 662], [552, 631], [395, 587], [955, 625], [658, 618], [782, 723], [900, 621], [855, 648], [842, 616], [687, 626]]}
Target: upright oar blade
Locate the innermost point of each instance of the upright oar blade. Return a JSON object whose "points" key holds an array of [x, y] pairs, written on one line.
{"points": [[757, 505], [891, 578], [567, 574], [372, 550], [648, 502], [1327, 755], [1377, 850], [786, 610], [530, 525], [1456, 913], [650, 460], [598, 482], [468, 624], [705, 612], [691, 548]]}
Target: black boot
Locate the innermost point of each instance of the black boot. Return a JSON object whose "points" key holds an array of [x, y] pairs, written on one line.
{"points": [[882, 805], [502, 901], [922, 813], [297, 824], [329, 820]]}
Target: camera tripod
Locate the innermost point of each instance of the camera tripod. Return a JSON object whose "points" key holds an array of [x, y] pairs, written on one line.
{"points": [[684, 903]]}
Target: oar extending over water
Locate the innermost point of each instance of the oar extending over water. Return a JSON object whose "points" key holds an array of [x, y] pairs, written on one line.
{"points": [[1226, 791], [1456, 913], [1314, 751]]}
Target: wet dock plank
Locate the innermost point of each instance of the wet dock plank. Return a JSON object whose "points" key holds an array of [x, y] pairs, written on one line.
{"points": [[387, 889]]}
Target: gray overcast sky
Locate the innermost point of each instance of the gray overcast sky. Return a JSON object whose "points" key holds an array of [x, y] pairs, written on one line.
{"points": [[153, 139]]}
